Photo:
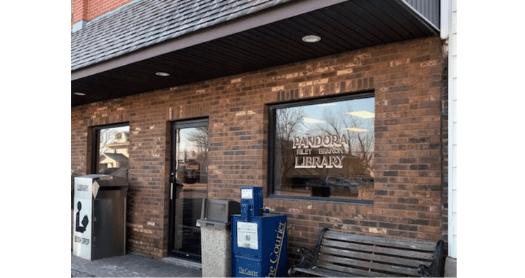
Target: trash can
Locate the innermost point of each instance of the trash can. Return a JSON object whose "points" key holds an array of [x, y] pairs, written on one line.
{"points": [[216, 236], [99, 216]]}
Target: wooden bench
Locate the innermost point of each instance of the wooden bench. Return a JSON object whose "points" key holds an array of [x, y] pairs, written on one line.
{"points": [[343, 254]]}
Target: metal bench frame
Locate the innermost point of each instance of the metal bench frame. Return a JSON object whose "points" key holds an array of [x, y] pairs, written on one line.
{"points": [[309, 260]]}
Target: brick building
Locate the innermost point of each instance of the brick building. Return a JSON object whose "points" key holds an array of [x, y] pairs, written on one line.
{"points": [[349, 132]]}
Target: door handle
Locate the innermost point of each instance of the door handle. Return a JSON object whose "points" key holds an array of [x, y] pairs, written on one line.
{"points": [[171, 186]]}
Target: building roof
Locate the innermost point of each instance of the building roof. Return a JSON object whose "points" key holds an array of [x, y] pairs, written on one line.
{"points": [[114, 157], [149, 22], [122, 53]]}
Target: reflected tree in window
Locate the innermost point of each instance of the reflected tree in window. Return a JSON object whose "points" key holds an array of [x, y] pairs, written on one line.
{"points": [[360, 135], [289, 125], [362, 140], [198, 139]]}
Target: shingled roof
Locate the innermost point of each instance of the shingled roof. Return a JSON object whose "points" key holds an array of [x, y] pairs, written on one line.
{"points": [[147, 22]]}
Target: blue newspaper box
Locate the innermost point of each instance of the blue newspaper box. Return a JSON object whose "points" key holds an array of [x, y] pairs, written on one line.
{"points": [[259, 239]]}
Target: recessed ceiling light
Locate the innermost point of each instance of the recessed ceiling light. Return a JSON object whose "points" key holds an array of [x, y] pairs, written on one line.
{"points": [[312, 120], [363, 114], [311, 38], [160, 73], [357, 129], [79, 94]]}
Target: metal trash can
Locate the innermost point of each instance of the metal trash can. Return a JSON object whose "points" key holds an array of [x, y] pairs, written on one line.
{"points": [[99, 216], [216, 236]]}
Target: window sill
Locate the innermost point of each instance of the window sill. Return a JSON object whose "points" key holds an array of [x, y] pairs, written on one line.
{"points": [[322, 199]]}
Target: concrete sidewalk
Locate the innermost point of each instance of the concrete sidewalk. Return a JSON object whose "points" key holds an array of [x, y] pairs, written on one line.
{"points": [[129, 265]]}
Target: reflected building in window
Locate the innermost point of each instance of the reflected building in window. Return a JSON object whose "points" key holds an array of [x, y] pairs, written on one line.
{"points": [[113, 151]]}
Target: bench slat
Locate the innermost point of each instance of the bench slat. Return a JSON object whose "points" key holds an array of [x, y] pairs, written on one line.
{"points": [[351, 271], [371, 265], [373, 257], [416, 245], [324, 272], [377, 249]]}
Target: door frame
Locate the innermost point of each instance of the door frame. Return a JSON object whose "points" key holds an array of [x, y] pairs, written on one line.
{"points": [[192, 123]]}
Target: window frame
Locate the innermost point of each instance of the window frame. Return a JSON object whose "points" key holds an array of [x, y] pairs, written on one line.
{"points": [[95, 143], [272, 108]]}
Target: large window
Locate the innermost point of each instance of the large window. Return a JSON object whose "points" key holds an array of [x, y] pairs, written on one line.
{"points": [[323, 149], [111, 150]]}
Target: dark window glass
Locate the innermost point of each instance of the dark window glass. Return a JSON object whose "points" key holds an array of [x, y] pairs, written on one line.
{"points": [[324, 149], [112, 152]]}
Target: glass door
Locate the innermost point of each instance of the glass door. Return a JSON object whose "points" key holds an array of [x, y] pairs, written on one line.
{"points": [[188, 186]]}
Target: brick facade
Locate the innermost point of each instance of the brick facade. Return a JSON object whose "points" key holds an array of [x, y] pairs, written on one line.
{"points": [[407, 79], [90, 9]]}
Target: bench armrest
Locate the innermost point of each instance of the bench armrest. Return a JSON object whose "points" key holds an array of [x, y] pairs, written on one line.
{"points": [[436, 268], [307, 259]]}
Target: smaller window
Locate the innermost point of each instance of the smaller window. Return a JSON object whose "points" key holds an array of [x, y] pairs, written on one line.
{"points": [[323, 149], [111, 150]]}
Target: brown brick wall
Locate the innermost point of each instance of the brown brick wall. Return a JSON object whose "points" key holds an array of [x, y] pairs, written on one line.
{"points": [[407, 80]]}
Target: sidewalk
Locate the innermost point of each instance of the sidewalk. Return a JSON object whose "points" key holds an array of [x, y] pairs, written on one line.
{"points": [[129, 265]]}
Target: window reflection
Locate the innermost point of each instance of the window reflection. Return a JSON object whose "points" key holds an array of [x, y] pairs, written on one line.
{"points": [[192, 156], [191, 173], [113, 155], [325, 150]]}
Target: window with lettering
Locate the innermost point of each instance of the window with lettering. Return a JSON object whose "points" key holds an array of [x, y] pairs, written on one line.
{"points": [[323, 148]]}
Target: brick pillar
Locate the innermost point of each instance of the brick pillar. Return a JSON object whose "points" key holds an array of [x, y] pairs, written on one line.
{"points": [[80, 10], [80, 14], [86, 10]]}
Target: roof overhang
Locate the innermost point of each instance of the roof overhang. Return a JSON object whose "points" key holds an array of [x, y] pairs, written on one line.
{"points": [[265, 39]]}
